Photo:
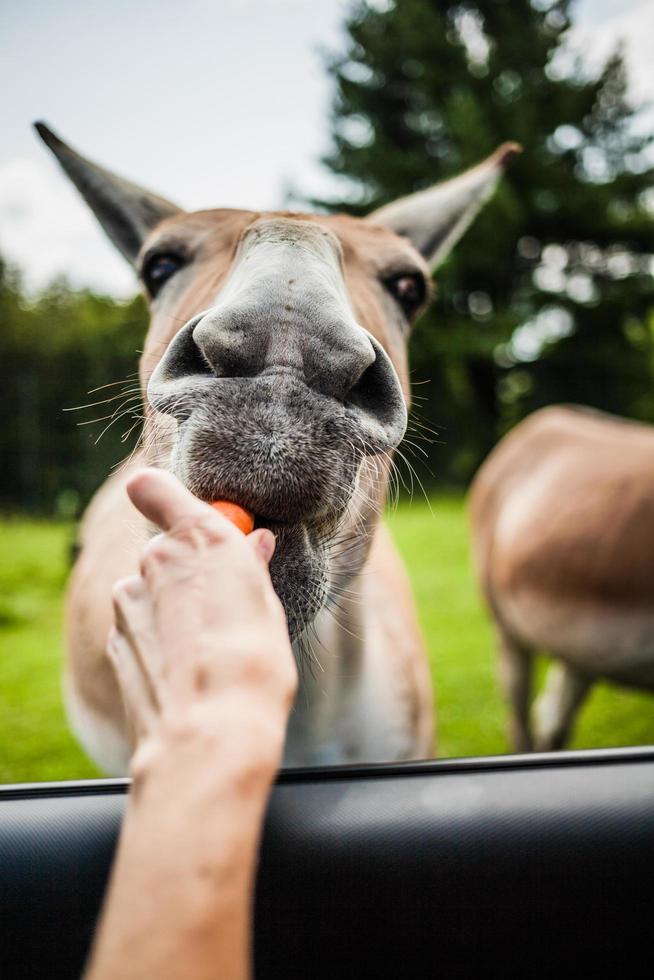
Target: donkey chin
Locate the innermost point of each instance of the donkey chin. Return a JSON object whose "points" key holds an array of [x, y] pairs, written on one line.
{"points": [[293, 457]]}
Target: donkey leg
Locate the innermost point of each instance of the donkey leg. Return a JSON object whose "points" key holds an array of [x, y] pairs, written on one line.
{"points": [[515, 674], [555, 709]]}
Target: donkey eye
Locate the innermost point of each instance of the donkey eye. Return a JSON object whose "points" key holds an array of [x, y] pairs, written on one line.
{"points": [[159, 269], [409, 290]]}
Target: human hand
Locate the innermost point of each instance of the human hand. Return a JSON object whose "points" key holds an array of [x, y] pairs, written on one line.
{"points": [[200, 643]]}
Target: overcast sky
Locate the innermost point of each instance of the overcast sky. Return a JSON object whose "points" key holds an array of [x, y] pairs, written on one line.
{"points": [[210, 102]]}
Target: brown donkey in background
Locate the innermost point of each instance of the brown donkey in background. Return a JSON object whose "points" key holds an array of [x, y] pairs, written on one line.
{"points": [[563, 530]]}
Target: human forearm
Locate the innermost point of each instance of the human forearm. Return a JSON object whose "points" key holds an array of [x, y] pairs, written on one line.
{"points": [[180, 898]]}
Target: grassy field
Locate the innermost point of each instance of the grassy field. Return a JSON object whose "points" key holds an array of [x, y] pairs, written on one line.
{"points": [[35, 743]]}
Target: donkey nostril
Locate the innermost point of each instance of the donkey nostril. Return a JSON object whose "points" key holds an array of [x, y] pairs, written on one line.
{"points": [[193, 361], [337, 368], [377, 402], [170, 388], [203, 359], [367, 393], [182, 359]]}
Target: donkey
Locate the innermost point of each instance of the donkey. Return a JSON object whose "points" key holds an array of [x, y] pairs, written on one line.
{"points": [[274, 374], [562, 521]]}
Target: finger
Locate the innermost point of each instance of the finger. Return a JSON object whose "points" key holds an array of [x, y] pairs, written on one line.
{"points": [[135, 620], [166, 502], [127, 592], [263, 542], [140, 711]]}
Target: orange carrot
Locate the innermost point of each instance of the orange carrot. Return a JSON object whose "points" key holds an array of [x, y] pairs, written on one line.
{"points": [[241, 518]]}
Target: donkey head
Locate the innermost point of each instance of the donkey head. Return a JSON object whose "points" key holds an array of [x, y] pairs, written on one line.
{"points": [[274, 371]]}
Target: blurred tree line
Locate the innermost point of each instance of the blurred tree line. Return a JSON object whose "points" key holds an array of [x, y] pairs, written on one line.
{"points": [[54, 349], [549, 297]]}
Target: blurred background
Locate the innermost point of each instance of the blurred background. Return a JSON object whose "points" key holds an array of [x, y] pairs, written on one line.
{"points": [[324, 105]]}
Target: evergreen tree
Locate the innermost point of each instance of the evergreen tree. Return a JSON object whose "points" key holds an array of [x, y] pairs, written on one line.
{"points": [[54, 349], [549, 296]]}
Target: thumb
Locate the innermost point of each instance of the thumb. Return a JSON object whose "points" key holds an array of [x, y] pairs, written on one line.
{"points": [[263, 542]]}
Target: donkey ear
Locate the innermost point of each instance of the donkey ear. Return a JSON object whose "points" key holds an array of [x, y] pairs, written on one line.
{"points": [[435, 219], [126, 211]]}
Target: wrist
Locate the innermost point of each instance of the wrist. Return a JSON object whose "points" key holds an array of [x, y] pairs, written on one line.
{"points": [[235, 740]]}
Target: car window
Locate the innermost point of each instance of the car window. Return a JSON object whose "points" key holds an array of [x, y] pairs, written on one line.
{"points": [[444, 342]]}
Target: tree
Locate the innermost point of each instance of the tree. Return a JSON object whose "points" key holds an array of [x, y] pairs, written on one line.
{"points": [[54, 349], [549, 296]]}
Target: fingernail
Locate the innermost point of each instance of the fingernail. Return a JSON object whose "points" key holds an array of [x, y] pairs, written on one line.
{"points": [[266, 544]]}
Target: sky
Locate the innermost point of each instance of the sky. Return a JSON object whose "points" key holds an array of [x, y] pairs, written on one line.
{"points": [[209, 102]]}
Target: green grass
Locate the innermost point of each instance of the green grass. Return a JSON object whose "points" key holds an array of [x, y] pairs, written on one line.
{"points": [[35, 743], [34, 740]]}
